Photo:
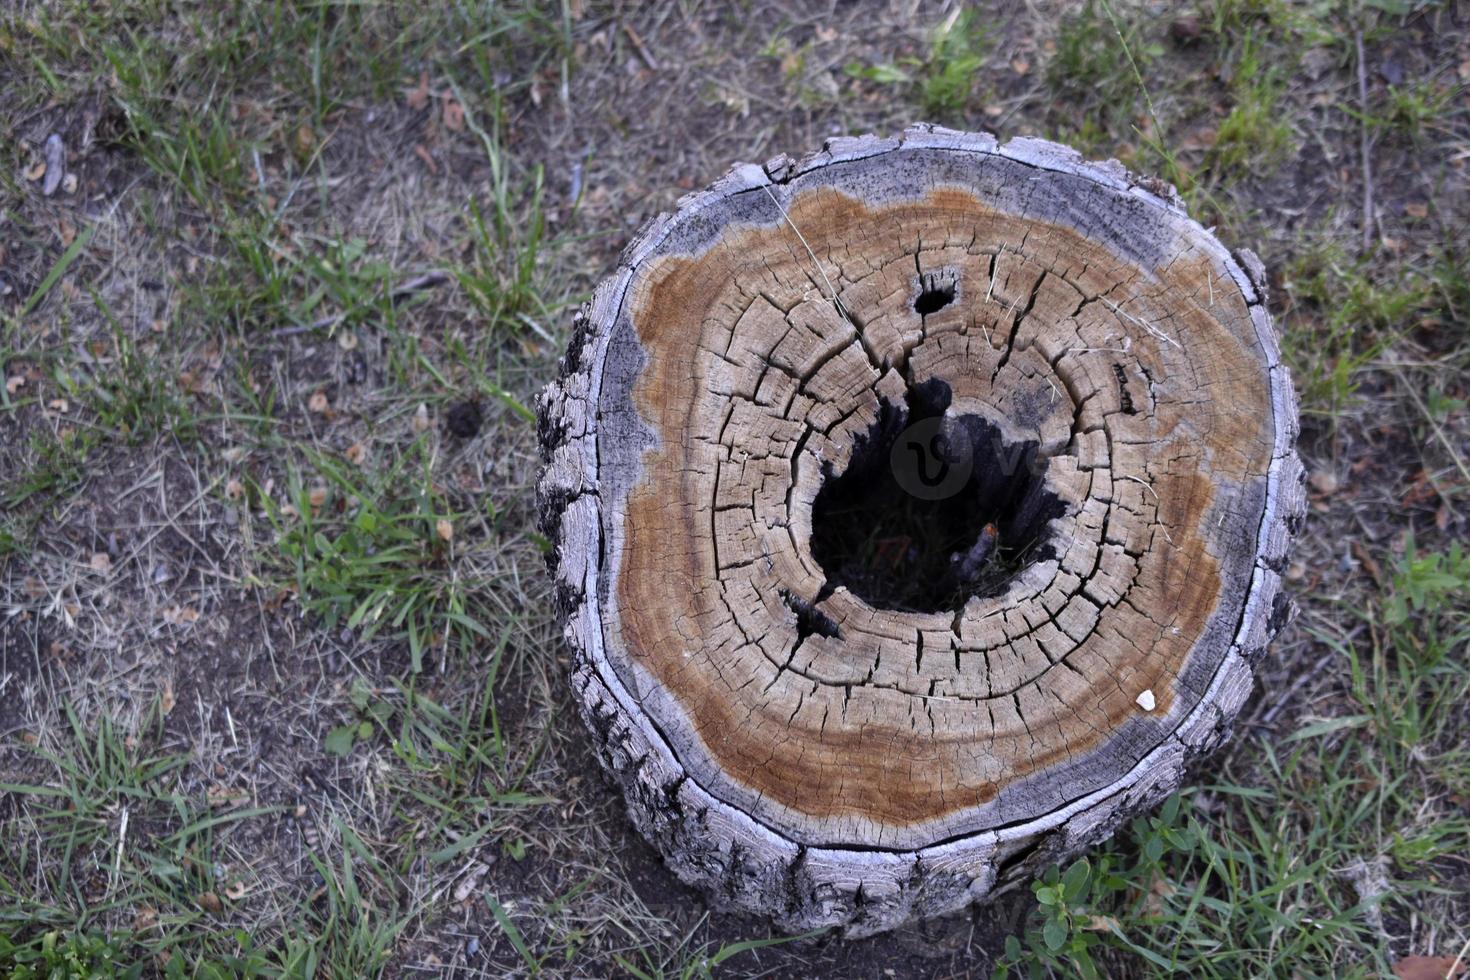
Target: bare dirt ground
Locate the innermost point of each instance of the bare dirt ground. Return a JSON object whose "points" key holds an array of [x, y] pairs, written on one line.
{"points": [[213, 716]]}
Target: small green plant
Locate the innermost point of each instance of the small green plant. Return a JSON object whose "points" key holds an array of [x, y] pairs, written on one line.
{"points": [[57, 954], [1073, 922], [1425, 582]]}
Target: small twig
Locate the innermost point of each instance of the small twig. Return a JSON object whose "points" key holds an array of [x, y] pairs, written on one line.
{"points": [[1455, 966], [426, 281], [640, 47], [1367, 143], [822, 272], [1149, 487], [1141, 322], [1296, 685]]}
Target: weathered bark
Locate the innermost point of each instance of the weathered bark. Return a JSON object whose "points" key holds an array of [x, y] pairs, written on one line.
{"points": [[865, 739]]}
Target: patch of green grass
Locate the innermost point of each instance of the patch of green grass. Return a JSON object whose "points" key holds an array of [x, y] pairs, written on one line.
{"points": [[132, 395], [56, 463], [1255, 134], [1412, 110], [1098, 67], [1343, 314], [373, 550], [1342, 823], [112, 830], [688, 962], [943, 79]]}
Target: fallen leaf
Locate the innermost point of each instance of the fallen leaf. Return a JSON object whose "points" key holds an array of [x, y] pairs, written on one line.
{"points": [[444, 529], [453, 114], [36, 171], [1428, 968], [317, 403], [145, 918], [470, 881], [1369, 563], [1020, 65], [356, 453], [166, 700], [66, 231], [418, 96], [181, 615], [1202, 138], [100, 562], [1415, 209], [234, 490]]}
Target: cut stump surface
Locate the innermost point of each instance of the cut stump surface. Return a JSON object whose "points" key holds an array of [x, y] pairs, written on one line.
{"points": [[917, 512]]}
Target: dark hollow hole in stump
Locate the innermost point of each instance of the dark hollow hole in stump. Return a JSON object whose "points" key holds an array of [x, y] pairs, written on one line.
{"points": [[931, 511], [935, 297]]}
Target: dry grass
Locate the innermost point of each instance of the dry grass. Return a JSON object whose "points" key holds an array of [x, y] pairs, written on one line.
{"points": [[279, 690]]}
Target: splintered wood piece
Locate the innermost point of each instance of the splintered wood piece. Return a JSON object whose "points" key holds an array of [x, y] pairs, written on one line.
{"points": [[917, 511]]}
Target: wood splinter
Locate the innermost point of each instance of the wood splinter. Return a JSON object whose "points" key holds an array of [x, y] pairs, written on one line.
{"points": [[917, 510]]}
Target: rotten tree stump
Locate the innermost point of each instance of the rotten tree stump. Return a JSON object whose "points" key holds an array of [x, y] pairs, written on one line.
{"points": [[918, 509]]}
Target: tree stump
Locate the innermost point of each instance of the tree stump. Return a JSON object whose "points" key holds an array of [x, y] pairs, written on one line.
{"points": [[917, 511]]}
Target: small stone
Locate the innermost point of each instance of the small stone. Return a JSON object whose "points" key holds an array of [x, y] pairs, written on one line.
{"points": [[464, 419], [1324, 482], [1146, 700], [1185, 30], [55, 164]]}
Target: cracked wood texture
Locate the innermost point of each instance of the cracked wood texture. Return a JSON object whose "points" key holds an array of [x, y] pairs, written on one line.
{"points": [[793, 743]]}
